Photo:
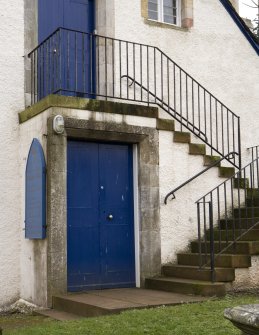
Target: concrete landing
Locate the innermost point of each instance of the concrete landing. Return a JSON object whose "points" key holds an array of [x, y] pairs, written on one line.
{"points": [[105, 302]]}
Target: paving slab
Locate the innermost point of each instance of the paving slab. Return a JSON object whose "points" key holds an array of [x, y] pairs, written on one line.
{"points": [[145, 298]]}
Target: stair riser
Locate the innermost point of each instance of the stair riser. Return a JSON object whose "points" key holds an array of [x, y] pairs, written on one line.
{"points": [[209, 160], [224, 261], [252, 235], [226, 172], [252, 202], [246, 212], [241, 183], [239, 224], [78, 308], [182, 137], [184, 288], [197, 149], [238, 248], [253, 193], [221, 275]]}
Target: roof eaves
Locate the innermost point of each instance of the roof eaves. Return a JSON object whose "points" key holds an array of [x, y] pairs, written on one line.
{"points": [[242, 25]]}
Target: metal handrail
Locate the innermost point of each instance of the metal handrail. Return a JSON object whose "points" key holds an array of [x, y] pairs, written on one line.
{"points": [[165, 107], [75, 63], [196, 176]]}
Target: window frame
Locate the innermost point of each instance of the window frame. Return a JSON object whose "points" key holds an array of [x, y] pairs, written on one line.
{"points": [[160, 13]]}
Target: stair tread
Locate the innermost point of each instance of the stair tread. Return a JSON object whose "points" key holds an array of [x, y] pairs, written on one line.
{"points": [[227, 255], [187, 281], [222, 242], [207, 268]]}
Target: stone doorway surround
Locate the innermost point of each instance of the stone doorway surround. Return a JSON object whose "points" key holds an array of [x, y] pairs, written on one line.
{"points": [[146, 139]]}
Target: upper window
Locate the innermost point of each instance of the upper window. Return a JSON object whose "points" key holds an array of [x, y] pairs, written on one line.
{"points": [[167, 11]]}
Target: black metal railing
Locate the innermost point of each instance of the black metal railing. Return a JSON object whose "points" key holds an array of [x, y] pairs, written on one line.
{"points": [[226, 214], [254, 151], [80, 64], [216, 163]]}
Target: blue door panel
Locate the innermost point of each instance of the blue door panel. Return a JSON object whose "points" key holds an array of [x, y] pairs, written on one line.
{"points": [[66, 64], [79, 15], [117, 200], [83, 269], [50, 17], [83, 229], [101, 250]]}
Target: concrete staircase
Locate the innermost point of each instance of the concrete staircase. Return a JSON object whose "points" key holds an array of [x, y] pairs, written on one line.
{"points": [[194, 148], [186, 276]]}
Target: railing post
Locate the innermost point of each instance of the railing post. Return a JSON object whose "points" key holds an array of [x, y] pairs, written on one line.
{"points": [[212, 250], [199, 234], [239, 144]]}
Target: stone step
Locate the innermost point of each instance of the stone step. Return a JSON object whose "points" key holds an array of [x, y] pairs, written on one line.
{"points": [[193, 272], [241, 183], [186, 286], [252, 235], [226, 172], [253, 192], [197, 149], [244, 212], [252, 202], [165, 124], [224, 260], [237, 223], [182, 137], [57, 315], [208, 160], [240, 247]]}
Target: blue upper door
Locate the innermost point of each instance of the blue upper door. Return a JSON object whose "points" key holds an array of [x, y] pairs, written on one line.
{"points": [[101, 250], [66, 61]]}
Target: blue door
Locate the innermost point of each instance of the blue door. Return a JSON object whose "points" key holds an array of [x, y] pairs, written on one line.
{"points": [[66, 61], [101, 248]]}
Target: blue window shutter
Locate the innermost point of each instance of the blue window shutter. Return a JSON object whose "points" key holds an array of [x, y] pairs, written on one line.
{"points": [[35, 193]]}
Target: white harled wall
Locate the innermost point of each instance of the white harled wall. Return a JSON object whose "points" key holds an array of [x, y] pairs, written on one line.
{"points": [[11, 102], [214, 51]]}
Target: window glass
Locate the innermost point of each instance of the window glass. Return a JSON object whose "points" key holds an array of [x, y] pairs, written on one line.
{"points": [[164, 10], [170, 11], [153, 9]]}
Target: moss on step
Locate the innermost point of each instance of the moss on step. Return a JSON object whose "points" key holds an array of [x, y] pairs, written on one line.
{"points": [[165, 124], [226, 172], [182, 137], [197, 149]]}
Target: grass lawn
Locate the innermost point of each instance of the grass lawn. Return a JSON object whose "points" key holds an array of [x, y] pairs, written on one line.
{"points": [[197, 319]]}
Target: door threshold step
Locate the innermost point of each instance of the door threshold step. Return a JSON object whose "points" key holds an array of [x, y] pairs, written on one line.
{"points": [[57, 315], [114, 301]]}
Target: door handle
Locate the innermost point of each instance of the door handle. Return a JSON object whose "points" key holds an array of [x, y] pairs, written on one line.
{"points": [[110, 217]]}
